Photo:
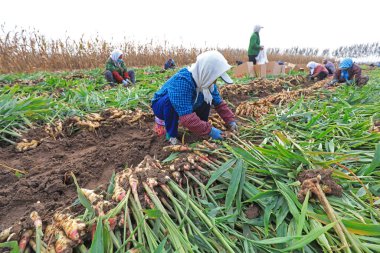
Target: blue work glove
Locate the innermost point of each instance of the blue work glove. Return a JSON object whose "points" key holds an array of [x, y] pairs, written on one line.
{"points": [[233, 126], [216, 134]]}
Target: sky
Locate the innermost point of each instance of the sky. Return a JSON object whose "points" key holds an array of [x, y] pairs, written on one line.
{"points": [[318, 24]]}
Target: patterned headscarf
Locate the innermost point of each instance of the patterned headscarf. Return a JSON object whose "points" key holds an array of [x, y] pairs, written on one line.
{"points": [[346, 63]]}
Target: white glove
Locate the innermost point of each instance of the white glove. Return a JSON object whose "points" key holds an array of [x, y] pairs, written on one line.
{"points": [[124, 82]]}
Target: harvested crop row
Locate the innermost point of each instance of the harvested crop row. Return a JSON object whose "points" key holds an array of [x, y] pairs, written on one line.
{"points": [[89, 122], [260, 88], [262, 106]]}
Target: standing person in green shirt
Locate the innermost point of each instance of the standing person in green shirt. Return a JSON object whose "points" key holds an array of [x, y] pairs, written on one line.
{"points": [[254, 44]]}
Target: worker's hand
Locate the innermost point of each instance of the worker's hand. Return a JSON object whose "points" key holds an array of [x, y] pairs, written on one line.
{"points": [[332, 82], [125, 83], [216, 134], [233, 126], [310, 77], [349, 82], [261, 47]]}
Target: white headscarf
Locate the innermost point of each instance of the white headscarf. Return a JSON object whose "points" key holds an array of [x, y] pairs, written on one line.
{"points": [[209, 66], [257, 28], [115, 55], [312, 65]]}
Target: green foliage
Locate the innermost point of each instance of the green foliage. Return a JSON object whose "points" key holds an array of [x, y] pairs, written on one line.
{"points": [[330, 131]]}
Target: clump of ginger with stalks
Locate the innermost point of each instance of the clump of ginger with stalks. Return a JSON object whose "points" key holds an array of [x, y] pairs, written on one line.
{"points": [[149, 171], [54, 130], [73, 227], [311, 181]]}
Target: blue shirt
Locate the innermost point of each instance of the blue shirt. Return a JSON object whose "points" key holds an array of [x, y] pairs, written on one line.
{"points": [[182, 91]]}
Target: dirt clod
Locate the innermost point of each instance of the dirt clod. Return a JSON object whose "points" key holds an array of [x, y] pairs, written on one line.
{"points": [[252, 212]]}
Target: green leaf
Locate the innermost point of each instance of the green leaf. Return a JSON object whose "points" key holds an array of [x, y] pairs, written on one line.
{"points": [[82, 198], [153, 213], [171, 157], [222, 169], [375, 162], [301, 220], [276, 240], [305, 240], [291, 199], [13, 245], [361, 228], [267, 215], [111, 185], [262, 195], [161, 247], [97, 244], [293, 109], [234, 184], [108, 244]]}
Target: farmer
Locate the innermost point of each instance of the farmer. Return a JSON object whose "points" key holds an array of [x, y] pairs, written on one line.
{"points": [[187, 97], [329, 66], [254, 44], [350, 73], [169, 64], [317, 71], [116, 71]]}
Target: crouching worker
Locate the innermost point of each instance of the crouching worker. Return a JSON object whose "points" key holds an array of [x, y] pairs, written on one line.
{"points": [[116, 71], [317, 71], [169, 64], [187, 97], [329, 66], [350, 73]]}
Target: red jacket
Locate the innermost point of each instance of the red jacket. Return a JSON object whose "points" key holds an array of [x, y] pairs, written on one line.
{"points": [[320, 68]]}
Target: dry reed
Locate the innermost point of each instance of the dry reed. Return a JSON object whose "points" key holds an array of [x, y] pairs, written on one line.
{"points": [[29, 51]]}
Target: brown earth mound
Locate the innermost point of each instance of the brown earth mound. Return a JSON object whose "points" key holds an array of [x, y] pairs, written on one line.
{"points": [[91, 156], [260, 88]]}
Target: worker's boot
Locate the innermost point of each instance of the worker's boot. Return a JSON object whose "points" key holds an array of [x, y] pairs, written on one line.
{"points": [[174, 141], [159, 127]]}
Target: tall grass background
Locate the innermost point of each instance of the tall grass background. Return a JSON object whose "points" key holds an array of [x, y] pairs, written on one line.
{"points": [[29, 51]]}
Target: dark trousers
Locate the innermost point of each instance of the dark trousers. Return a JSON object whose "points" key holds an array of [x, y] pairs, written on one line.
{"points": [[322, 75], [165, 111], [109, 76], [252, 58]]}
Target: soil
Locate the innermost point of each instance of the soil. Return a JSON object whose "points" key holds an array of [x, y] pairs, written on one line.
{"points": [[91, 156], [328, 184], [252, 212]]}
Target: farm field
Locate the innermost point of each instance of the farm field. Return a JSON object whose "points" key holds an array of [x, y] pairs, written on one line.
{"points": [[81, 168]]}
